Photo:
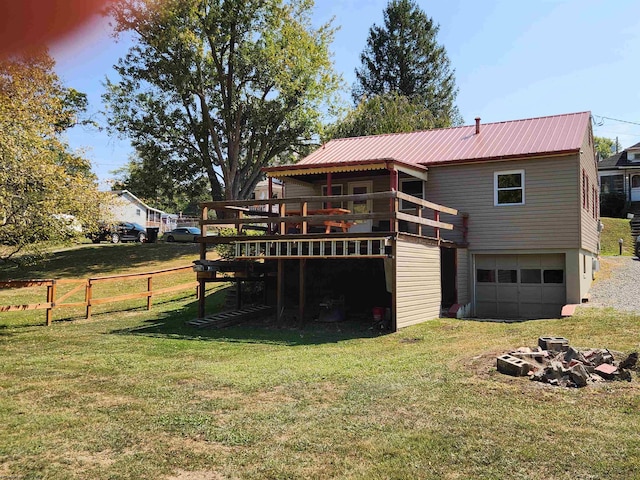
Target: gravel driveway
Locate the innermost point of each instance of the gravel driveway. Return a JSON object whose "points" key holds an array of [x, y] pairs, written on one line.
{"points": [[617, 284]]}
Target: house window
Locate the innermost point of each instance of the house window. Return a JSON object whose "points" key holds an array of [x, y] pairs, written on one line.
{"points": [[553, 276], [507, 276], [612, 184], [508, 188], [587, 193], [412, 187], [530, 275], [137, 212], [486, 276], [335, 190]]}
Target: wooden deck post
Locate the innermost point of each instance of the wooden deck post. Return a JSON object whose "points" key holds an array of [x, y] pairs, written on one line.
{"points": [[303, 211], [271, 228], [238, 293], [282, 212], [419, 211], [201, 298], [203, 233], [51, 296], [394, 203], [301, 300], [280, 291], [329, 188], [436, 230]]}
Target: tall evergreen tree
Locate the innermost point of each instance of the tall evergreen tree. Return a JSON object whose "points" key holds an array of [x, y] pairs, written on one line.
{"points": [[403, 56]]}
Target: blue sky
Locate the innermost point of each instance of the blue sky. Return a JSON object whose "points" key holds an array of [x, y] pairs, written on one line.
{"points": [[513, 59]]}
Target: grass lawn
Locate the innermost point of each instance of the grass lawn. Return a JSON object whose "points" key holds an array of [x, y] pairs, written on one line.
{"points": [[615, 229], [133, 394]]}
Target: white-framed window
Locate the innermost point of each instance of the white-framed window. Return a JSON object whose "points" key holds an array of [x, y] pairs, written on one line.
{"points": [[508, 188], [413, 187], [335, 190], [138, 212]]}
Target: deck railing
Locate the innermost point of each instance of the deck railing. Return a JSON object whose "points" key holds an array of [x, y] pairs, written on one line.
{"points": [[278, 215]]}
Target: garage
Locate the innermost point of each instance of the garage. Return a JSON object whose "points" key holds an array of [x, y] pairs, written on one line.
{"points": [[520, 286]]}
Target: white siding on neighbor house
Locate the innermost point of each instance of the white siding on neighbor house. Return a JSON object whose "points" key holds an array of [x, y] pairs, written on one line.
{"points": [[548, 219], [418, 296], [126, 209], [462, 277]]}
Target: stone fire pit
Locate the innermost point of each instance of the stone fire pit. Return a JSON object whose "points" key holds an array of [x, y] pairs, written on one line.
{"points": [[556, 362]]}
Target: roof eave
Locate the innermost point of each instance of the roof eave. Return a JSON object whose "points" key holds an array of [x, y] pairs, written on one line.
{"points": [[377, 164], [498, 158]]}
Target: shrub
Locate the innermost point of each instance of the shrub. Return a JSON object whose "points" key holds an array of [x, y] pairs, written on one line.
{"points": [[612, 204]]}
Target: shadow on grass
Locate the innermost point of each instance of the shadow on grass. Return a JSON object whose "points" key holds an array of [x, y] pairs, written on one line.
{"points": [[99, 260], [257, 331]]}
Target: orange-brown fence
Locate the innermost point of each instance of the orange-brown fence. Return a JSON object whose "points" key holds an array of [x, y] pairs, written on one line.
{"points": [[87, 285]]}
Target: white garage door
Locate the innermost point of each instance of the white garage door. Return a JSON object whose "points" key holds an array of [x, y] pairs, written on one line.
{"points": [[520, 286]]}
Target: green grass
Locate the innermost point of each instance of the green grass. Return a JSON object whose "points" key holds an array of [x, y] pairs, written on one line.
{"points": [[615, 229], [138, 395]]}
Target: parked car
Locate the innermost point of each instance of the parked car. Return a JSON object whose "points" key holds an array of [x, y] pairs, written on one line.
{"points": [[183, 234], [120, 232]]}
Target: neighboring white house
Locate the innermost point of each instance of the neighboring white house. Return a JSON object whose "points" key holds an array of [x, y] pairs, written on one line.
{"points": [[126, 207], [620, 173]]}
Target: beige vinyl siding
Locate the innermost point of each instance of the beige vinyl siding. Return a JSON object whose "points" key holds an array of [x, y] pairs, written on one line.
{"points": [[417, 271], [298, 189], [462, 277], [548, 219], [589, 224]]}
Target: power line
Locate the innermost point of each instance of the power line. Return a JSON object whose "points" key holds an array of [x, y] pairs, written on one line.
{"points": [[613, 120]]}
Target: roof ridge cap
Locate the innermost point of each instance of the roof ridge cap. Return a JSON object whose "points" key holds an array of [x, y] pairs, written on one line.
{"points": [[456, 127]]}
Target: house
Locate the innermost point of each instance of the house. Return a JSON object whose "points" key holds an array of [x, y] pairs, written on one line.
{"points": [[261, 191], [496, 220], [126, 207], [619, 178]]}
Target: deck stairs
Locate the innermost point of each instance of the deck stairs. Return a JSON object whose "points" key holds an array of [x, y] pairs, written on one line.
{"points": [[635, 226], [231, 317]]}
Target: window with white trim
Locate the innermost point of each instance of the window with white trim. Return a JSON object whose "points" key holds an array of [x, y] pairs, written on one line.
{"points": [[508, 188], [412, 187]]}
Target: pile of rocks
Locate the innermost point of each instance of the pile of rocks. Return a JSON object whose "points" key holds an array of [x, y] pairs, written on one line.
{"points": [[555, 362]]}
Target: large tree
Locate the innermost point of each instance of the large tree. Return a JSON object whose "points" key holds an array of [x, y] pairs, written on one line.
{"points": [[388, 113], [403, 56], [221, 86], [43, 185], [605, 147]]}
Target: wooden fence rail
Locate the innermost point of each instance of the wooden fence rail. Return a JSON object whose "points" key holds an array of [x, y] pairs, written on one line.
{"points": [[88, 285]]}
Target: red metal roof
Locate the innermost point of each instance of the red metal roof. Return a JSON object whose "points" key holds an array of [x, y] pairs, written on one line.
{"points": [[517, 138]]}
